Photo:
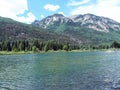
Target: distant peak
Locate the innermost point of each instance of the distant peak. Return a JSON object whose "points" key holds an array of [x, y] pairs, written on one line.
{"points": [[89, 14], [81, 15], [57, 14]]}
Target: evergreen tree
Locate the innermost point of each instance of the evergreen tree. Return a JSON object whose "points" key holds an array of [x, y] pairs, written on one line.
{"points": [[46, 48], [66, 47], [21, 46], [34, 49], [14, 47], [115, 45]]}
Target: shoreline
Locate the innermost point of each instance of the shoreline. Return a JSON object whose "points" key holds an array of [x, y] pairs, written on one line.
{"points": [[52, 51]]}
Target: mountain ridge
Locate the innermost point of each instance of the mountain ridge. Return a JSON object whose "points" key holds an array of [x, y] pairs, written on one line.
{"points": [[90, 21], [11, 30], [62, 29], [87, 28]]}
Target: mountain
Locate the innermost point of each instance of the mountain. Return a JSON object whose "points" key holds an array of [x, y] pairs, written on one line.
{"points": [[94, 22], [51, 20], [87, 28], [13, 30], [90, 21], [77, 29]]}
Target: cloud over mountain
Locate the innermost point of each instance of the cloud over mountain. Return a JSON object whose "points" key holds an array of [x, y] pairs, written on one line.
{"points": [[14, 8], [51, 7], [106, 8]]}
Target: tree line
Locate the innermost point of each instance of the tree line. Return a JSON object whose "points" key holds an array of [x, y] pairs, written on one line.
{"points": [[33, 45], [36, 46]]}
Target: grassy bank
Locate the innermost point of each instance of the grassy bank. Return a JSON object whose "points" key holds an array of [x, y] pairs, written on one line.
{"points": [[32, 52], [29, 52], [12, 52]]}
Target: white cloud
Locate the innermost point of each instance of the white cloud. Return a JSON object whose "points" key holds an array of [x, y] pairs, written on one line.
{"points": [[76, 3], [106, 8], [51, 7], [30, 18], [13, 8]]}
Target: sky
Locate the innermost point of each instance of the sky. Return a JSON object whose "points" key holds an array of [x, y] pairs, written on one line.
{"points": [[29, 10]]}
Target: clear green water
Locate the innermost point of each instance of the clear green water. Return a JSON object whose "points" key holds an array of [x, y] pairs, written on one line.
{"points": [[61, 71]]}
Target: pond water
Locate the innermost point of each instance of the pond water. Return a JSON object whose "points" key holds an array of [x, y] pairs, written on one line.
{"points": [[98, 70]]}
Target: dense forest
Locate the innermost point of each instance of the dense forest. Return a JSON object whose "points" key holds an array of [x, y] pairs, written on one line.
{"points": [[37, 46]]}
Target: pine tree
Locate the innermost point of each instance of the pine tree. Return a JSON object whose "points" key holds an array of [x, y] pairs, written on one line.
{"points": [[66, 47]]}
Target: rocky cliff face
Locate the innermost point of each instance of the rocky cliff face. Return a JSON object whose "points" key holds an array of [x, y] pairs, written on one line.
{"points": [[96, 22], [50, 20], [90, 21]]}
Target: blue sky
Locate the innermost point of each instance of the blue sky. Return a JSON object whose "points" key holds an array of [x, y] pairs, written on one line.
{"points": [[28, 10], [38, 8]]}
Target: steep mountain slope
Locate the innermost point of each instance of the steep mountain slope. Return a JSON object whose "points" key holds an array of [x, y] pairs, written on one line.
{"points": [[55, 19], [96, 22], [87, 28], [56, 22], [90, 21]]}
